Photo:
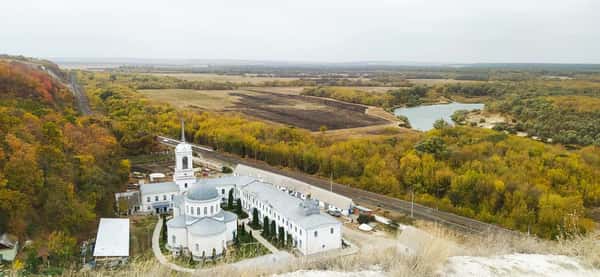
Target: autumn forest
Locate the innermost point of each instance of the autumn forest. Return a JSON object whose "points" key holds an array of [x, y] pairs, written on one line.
{"points": [[59, 169]]}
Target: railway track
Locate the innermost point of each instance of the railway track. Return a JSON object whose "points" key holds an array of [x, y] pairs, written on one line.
{"points": [[359, 196]]}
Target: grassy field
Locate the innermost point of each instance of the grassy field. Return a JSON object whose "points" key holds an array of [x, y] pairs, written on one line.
{"points": [[281, 90], [141, 236], [374, 89], [430, 82], [284, 108], [385, 130], [223, 78], [209, 100]]}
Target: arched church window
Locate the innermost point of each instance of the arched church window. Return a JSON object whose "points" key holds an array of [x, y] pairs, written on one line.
{"points": [[184, 162], [198, 210], [205, 210], [185, 185], [211, 210]]}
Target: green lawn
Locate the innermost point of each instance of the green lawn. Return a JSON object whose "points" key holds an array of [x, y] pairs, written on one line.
{"points": [[141, 236]]}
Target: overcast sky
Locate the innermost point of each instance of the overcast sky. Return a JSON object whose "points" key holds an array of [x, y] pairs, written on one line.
{"points": [[306, 30]]}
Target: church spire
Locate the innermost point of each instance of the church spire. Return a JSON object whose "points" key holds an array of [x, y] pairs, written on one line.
{"points": [[182, 131]]}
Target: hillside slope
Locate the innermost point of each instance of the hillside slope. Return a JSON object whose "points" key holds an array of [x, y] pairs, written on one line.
{"points": [[57, 169]]}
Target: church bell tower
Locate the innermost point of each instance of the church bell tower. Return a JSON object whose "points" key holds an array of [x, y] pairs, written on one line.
{"points": [[184, 166]]}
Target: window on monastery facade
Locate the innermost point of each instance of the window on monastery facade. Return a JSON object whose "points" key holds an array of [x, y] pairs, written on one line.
{"points": [[211, 209], [331, 230], [198, 210], [165, 197], [173, 239], [316, 234], [185, 185], [205, 210], [156, 198], [197, 247], [148, 199], [172, 196]]}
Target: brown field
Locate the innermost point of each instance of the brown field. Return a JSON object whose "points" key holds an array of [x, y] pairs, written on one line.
{"points": [[223, 78], [289, 109], [384, 130]]}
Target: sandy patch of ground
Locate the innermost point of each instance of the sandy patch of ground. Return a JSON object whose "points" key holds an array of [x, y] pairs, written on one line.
{"points": [[485, 119]]}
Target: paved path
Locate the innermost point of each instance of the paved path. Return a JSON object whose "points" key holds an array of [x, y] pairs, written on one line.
{"points": [[159, 255], [259, 238]]}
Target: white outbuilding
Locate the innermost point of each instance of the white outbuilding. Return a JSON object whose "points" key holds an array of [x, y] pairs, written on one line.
{"points": [[112, 241]]}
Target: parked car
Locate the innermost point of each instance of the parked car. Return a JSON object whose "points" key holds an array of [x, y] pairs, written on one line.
{"points": [[335, 213]]}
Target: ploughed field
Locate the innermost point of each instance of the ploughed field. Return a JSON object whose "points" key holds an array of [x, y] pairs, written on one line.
{"points": [[284, 108]]}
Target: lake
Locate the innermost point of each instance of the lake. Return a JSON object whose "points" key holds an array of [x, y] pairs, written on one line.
{"points": [[423, 117]]}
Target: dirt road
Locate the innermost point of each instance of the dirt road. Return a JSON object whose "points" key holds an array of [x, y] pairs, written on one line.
{"points": [[80, 96]]}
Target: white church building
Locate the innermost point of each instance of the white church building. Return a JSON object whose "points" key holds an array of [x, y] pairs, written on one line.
{"points": [[199, 226]]}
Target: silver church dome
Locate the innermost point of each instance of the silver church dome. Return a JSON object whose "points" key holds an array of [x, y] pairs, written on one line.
{"points": [[203, 193]]}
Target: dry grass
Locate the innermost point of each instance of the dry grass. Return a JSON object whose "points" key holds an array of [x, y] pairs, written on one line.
{"points": [[440, 81], [373, 89], [381, 253], [384, 130], [584, 247], [281, 90], [209, 100], [381, 113], [223, 78]]}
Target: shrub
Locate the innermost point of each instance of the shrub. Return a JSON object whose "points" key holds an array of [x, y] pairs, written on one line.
{"points": [[364, 219]]}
